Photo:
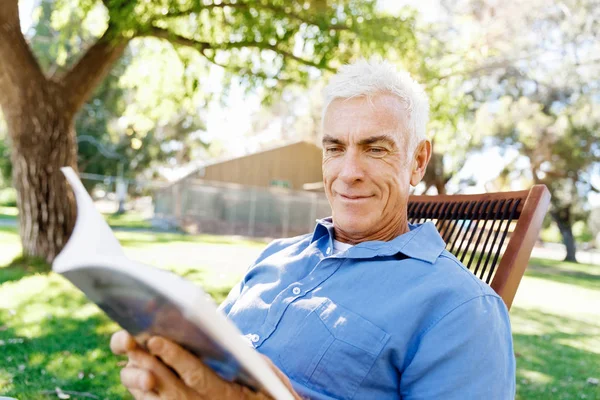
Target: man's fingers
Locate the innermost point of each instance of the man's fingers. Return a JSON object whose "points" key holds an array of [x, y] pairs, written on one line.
{"points": [[166, 384], [136, 378], [121, 342], [141, 395], [137, 394], [192, 371]]}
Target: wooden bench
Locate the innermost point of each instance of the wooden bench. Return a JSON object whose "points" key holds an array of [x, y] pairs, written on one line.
{"points": [[491, 233]]}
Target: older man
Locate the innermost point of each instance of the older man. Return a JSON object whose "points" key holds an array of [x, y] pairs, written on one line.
{"points": [[367, 306]]}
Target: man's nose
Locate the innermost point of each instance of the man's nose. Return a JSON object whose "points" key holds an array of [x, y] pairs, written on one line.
{"points": [[352, 169]]}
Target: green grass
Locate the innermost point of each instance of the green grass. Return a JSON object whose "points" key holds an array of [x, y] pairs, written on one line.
{"points": [[51, 336], [555, 355], [143, 239], [9, 213], [582, 275], [136, 234], [21, 267], [10, 246], [130, 220]]}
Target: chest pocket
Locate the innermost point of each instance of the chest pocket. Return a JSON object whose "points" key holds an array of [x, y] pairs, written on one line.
{"points": [[333, 350]]}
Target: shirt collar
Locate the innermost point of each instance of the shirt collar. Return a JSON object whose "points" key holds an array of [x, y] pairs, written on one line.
{"points": [[324, 227], [422, 242]]}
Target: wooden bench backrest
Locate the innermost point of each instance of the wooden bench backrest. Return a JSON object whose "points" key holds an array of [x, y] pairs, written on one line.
{"points": [[491, 233]]}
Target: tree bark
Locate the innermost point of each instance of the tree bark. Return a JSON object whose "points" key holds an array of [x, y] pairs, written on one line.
{"points": [[435, 174], [562, 217], [83, 78], [40, 126], [40, 114], [43, 140]]}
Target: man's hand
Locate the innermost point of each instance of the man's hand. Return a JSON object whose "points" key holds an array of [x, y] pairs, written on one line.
{"points": [[147, 378]]}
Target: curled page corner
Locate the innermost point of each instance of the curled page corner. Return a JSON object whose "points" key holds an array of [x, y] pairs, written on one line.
{"points": [[91, 235]]}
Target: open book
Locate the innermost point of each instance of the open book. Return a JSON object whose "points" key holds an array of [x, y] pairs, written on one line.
{"points": [[148, 301]]}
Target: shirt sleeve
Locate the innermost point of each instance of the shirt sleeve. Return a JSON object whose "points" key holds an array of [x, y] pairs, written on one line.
{"points": [[234, 293], [467, 354]]}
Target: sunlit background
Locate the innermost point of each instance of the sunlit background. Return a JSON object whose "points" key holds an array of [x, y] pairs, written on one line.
{"points": [[192, 155]]}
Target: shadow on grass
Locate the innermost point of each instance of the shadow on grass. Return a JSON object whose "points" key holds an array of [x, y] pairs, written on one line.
{"points": [[21, 267], [581, 275], [45, 345], [68, 347], [140, 239], [555, 356], [71, 354], [65, 345]]}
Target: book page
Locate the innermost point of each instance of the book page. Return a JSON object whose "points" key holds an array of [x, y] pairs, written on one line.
{"points": [[148, 301], [91, 236]]}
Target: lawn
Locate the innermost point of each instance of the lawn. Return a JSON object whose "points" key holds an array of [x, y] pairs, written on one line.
{"points": [[52, 341], [8, 213], [130, 220]]}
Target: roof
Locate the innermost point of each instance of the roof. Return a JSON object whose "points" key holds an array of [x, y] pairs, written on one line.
{"points": [[227, 159]]}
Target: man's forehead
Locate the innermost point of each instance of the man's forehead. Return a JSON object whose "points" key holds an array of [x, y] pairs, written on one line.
{"points": [[382, 114]]}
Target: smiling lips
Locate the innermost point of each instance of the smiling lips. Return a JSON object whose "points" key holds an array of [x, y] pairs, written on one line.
{"points": [[348, 197]]}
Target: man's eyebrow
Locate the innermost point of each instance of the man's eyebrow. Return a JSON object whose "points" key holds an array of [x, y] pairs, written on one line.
{"points": [[375, 139], [331, 140]]}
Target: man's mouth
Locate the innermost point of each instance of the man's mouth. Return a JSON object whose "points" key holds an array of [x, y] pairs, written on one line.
{"points": [[354, 197]]}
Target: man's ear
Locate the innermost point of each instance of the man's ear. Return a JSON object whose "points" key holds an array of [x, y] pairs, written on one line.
{"points": [[420, 161]]}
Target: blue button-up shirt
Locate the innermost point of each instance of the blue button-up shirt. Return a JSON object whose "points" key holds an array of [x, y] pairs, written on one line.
{"points": [[381, 320]]}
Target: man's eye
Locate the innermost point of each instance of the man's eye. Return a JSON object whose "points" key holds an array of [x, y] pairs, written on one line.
{"points": [[377, 150], [333, 150]]}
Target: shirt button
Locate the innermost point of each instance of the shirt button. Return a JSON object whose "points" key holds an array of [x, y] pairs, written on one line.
{"points": [[328, 250], [296, 290], [255, 338]]}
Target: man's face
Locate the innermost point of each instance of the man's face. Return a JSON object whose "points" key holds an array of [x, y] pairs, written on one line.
{"points": [[366, 168]]}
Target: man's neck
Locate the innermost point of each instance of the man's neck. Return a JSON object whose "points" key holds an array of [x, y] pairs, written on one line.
{"points": [[386, 234]]}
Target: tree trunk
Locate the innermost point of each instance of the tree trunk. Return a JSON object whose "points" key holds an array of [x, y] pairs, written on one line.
{"points": [[43, 140], [435, 175], [440, 185], [562, 217], [39, 113], [40, 125]]}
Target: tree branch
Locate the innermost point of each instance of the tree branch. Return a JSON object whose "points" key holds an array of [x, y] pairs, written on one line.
{"points": [[203, 46], [81, 80], [245, 71], [275, 9], [176, 39], [18, 66], [275, 48], [593, 188], [556, 174]]}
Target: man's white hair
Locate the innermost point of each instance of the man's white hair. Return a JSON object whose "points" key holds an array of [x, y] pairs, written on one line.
{"points": [[368, 78]]}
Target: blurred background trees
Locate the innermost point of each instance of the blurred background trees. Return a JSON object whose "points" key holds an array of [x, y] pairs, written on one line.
{"points": [[265, 44], [134, 85], [542, 98]]}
